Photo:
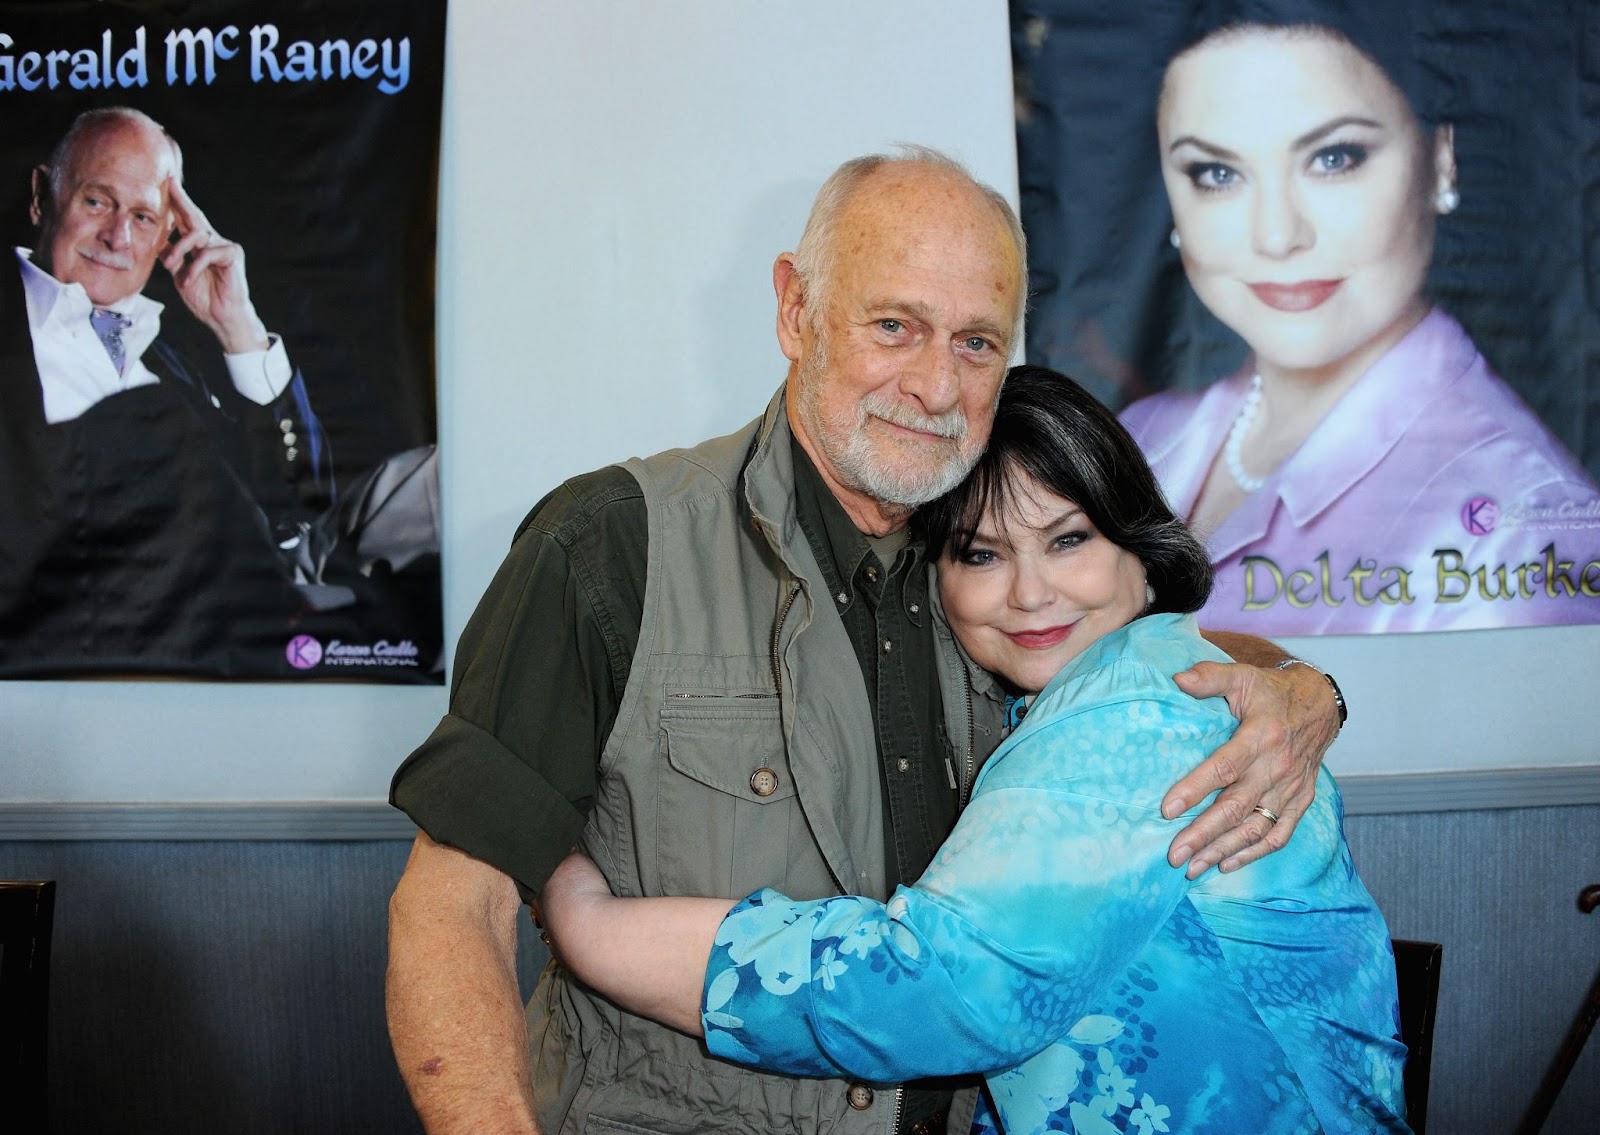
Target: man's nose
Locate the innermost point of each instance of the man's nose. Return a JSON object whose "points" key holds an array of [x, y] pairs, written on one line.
{"points": [[933, 378], [1279, 224], [116, 232]]}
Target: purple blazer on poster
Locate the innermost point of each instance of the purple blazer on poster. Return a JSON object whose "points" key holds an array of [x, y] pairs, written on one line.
{"points": [[1430, 498]]}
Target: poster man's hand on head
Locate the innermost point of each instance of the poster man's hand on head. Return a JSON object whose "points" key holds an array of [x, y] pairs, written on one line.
{"points": [[209, 272]]}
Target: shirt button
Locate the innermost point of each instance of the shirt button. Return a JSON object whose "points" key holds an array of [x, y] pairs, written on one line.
{"points": [[915, 607], [289, 439], [903, 765], [859, 1096], [888, 645], [843, 597], [872, 574], [291, 453], [286, 424], [763, 782]]}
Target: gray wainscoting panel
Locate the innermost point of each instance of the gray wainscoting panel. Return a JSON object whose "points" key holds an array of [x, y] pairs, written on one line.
{"points": [[237, 986], [229, 987]]}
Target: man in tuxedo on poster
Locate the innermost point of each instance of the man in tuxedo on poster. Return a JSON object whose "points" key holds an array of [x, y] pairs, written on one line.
{"points": [[152, 494]]}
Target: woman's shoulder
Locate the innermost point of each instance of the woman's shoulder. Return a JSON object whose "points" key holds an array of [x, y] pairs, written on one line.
{"points": [[1113, 723], [1147, 651]]}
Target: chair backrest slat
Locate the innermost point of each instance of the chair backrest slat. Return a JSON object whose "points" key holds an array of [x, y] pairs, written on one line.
{"points": [[1416, 966], [27, 913]]}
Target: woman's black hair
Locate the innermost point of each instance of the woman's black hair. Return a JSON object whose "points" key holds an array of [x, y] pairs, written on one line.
{"points": [[1049, 429], [1390, 35]]}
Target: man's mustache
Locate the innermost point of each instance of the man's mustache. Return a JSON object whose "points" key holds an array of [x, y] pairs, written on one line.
{"points": [[952, 424], [107, 259]]}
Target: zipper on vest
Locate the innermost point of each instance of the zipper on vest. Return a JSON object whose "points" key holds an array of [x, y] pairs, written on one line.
{"points": [[777, 634], [972, 728], [899, 1109]]}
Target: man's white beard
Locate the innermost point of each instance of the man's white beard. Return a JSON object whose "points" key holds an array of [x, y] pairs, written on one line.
{"points": [[858, 463]]}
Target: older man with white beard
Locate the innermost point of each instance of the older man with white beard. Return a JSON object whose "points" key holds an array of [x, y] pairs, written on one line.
{"points": [[716, 670]]}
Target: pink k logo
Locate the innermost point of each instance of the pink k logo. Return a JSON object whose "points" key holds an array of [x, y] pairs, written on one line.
{"points": [[1480, 515], [303, 652]]}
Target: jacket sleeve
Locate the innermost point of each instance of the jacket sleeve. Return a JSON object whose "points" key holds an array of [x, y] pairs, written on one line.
{"points": [[1053, 881]]}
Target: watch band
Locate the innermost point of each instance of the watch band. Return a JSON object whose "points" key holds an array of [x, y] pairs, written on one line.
{"points": [[1338, 694]]}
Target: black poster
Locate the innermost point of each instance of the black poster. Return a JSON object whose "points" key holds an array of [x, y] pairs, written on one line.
{"points": [[1337, 266], [217, 402]]}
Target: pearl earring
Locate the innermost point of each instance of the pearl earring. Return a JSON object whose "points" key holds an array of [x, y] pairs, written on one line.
{"points": [[1447, 200], [1174, 239]]}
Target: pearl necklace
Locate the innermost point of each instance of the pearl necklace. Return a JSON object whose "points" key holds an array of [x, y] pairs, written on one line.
{"points": [[1240, 427]]}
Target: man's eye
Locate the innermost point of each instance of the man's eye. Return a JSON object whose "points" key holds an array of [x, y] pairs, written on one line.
{"points": [[977, 343], [892, 326]]}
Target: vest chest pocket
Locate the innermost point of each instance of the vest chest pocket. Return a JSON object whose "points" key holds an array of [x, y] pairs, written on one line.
{"points": [[728, 820]]}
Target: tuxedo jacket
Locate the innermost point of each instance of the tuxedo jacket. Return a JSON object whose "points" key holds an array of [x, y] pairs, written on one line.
{"points": [[146, 535]]}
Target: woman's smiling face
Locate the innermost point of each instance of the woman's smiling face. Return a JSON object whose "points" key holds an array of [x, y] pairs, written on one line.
{"points": [[1302, 187], [1038, 585]]}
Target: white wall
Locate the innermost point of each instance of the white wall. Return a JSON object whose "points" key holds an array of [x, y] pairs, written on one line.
{"points": [[617, 177]]}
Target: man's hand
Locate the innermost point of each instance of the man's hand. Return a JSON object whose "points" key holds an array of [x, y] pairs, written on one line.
{"points": [[1287, 720], [209, 273]]}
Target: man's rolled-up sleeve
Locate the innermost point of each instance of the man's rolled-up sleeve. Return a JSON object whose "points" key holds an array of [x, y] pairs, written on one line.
{"points": [[509, 774]]}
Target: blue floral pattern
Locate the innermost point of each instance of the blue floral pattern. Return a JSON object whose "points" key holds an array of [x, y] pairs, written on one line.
{"points": [[1051, 947]]}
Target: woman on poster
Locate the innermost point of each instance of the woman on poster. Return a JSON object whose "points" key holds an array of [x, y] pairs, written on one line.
{"points": [[1365, 471]]}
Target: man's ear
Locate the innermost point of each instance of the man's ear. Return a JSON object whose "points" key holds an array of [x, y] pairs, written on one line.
{"points": [[43, 203], [791, 306]]}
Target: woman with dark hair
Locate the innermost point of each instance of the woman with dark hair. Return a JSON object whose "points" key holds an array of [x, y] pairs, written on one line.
{"points": [[1365, 463], [1050, 945]]}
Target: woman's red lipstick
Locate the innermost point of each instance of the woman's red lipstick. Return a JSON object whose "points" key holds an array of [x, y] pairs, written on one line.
{"points": [[1303, 296], [1040, 640]]}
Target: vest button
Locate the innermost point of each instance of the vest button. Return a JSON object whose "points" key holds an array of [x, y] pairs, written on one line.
{"points": [[763, 782], [859, 1096]]}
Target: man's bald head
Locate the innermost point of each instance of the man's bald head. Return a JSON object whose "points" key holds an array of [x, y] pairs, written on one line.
{"points": [[101, 202], [816, 255]]}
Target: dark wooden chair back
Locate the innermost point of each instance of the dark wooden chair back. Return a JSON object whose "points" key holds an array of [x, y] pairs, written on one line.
{"points": [[1416, 966], [27, 911]]}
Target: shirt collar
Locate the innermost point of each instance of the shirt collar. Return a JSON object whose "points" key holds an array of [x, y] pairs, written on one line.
{"points": [[1358, 432], [45, 294], [841, 550]]}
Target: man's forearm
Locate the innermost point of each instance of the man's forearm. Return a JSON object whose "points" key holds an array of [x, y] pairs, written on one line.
{"points": [[455, 1015], [1246, 648]]}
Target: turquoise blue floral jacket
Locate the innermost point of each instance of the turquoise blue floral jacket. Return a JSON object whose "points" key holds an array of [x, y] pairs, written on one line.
{"points": [[1051, 947]]}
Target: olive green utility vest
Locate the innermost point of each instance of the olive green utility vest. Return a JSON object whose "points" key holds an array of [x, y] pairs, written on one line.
{"points": [[743, 756]]}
